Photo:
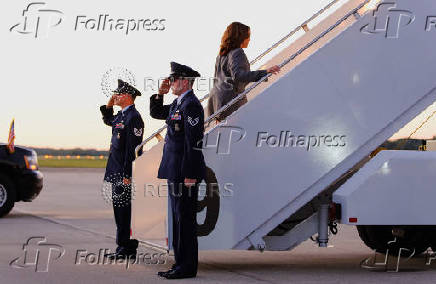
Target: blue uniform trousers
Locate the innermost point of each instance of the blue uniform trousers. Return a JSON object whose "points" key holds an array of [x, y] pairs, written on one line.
{"points": [[184, 213], [122, 213]]}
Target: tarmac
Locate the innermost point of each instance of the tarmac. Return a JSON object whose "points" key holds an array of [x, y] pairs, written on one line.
{"points": [[61, 236]]}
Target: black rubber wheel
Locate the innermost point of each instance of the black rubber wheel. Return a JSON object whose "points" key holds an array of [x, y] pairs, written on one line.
{"points": [[381, 238], [7, 195], [210, 203]]}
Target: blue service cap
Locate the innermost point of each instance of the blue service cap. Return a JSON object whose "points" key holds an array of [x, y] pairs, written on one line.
{"points": [[126, 88], [180, 70]]}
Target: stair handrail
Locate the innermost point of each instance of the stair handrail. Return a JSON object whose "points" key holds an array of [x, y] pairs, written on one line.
{"points": [[285, 62], [263, 79]]}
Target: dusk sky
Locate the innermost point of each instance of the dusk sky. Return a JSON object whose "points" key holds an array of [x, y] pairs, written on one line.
{"points": [[51, 84]]}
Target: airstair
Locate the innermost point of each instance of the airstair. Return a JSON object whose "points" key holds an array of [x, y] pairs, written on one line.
{"points": [[350, 82]]}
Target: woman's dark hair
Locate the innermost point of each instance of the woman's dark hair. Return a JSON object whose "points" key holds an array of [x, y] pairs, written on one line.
{"points": [[233, 37]]}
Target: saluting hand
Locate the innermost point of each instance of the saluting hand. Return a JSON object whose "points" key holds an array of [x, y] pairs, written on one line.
{"points": [[111, 102], [165, 87]]}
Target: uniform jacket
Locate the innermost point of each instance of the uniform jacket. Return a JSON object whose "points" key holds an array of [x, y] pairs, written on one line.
{"points": [[232, 74], [182, 154], [127, 133]]}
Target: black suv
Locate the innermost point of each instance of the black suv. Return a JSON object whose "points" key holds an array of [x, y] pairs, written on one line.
{"points": [[20, 179]]}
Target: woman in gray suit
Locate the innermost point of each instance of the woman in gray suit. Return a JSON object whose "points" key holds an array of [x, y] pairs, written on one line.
{"points": [[232, 70]]}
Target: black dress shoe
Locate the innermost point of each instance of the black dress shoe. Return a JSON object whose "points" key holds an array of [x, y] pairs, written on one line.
{"points": [[133, 244], [177, 274], [161, 273]]}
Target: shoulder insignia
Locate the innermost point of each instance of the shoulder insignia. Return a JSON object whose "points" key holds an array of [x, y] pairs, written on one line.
{"points": [[138, 132], [193, 122]]}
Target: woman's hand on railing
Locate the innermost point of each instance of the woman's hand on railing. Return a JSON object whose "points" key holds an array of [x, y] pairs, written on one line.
{"points": [[165, 86], [274, 69]]}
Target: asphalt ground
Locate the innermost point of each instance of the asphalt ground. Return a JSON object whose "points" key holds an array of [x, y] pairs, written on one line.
{"points": [[73, 225]]}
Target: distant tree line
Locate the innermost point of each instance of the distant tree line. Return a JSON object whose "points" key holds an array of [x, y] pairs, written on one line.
{"points": [[71, 152], [403, 144], [399, 144]]}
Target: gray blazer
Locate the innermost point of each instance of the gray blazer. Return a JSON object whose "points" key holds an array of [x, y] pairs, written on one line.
{"points": [[232, 74]]}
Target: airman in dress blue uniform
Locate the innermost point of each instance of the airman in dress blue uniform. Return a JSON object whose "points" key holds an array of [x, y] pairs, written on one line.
{"points": [[182, 164], [127, 132]]}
